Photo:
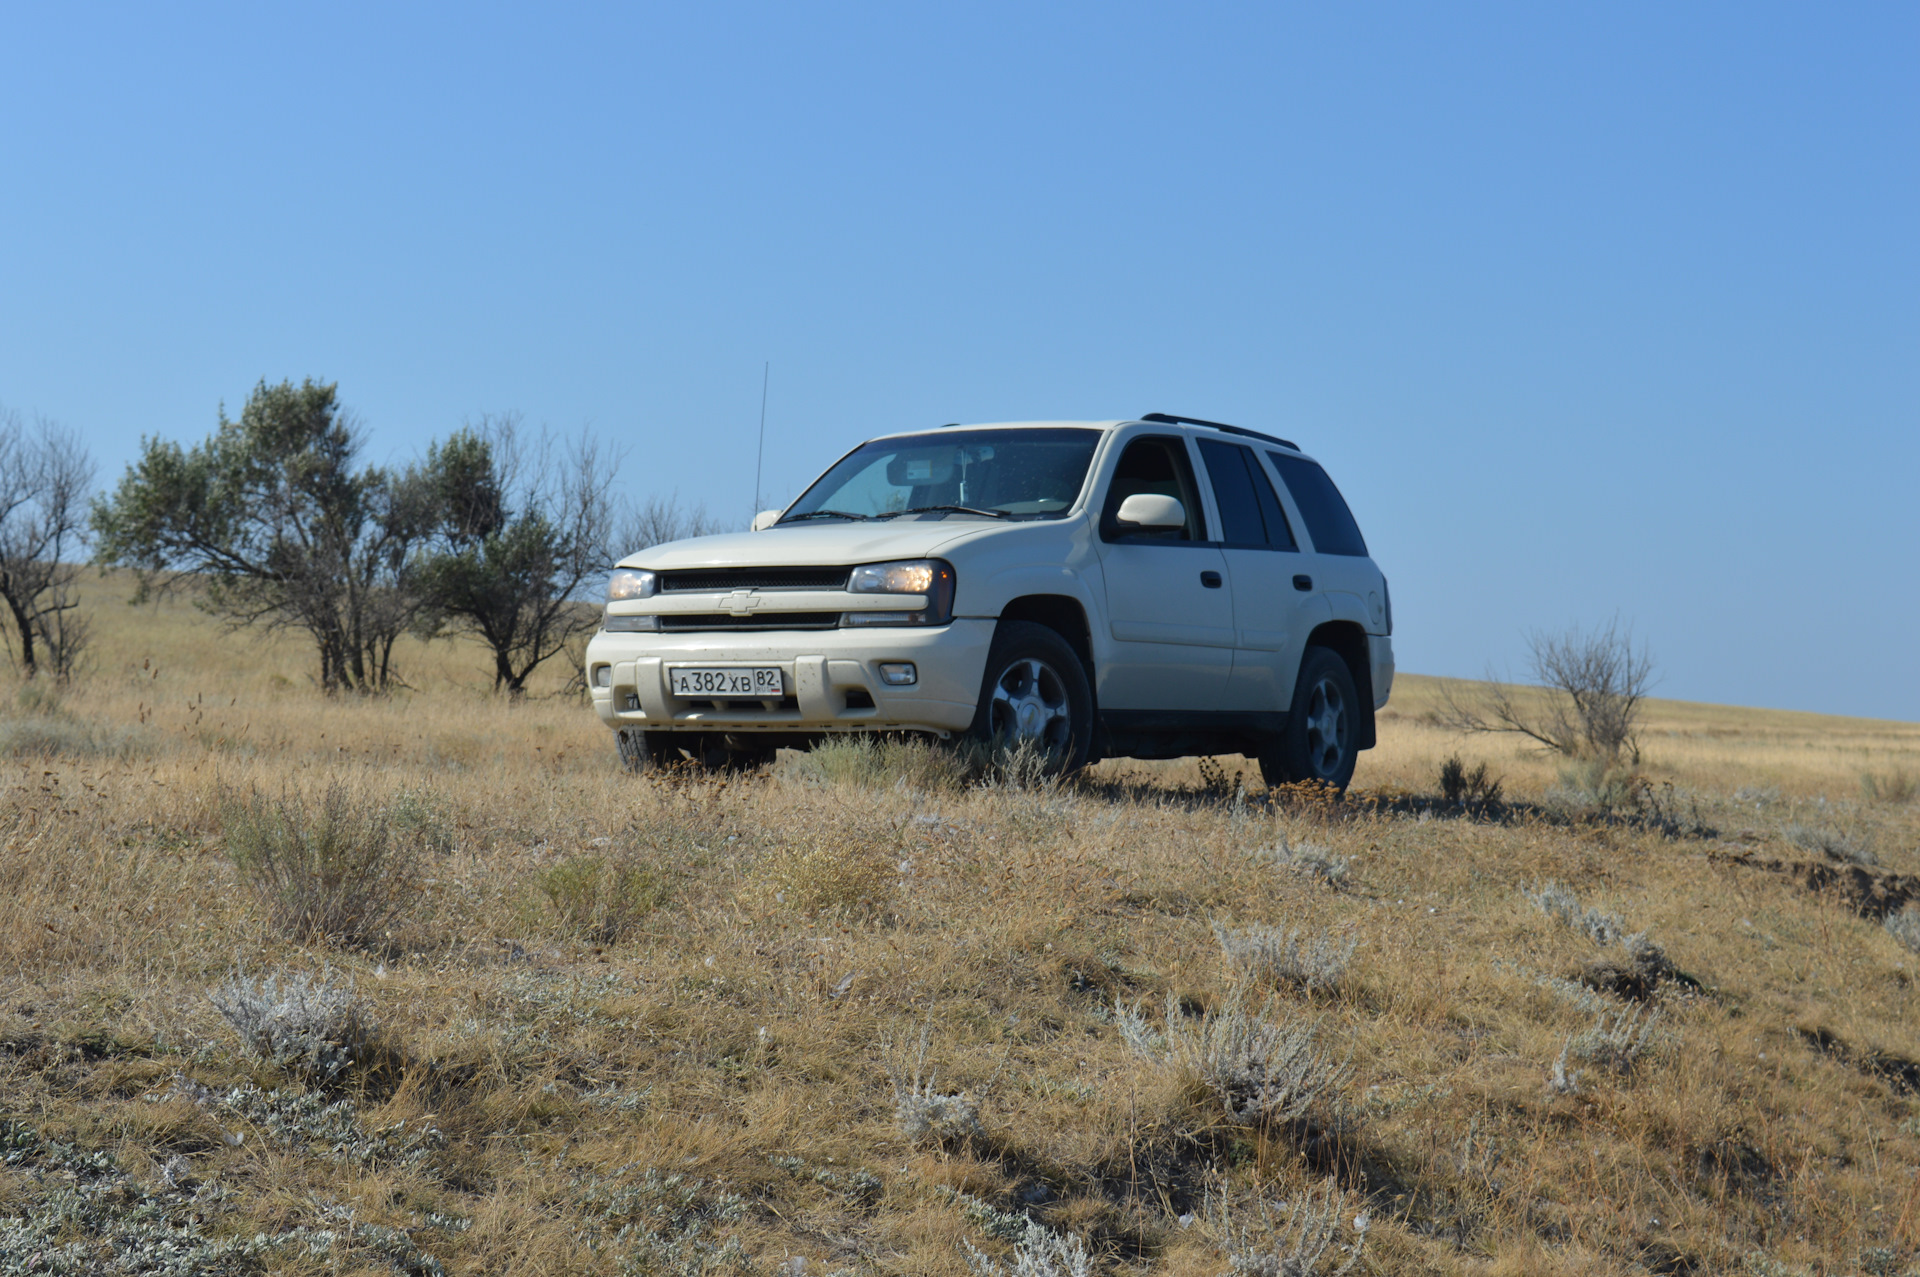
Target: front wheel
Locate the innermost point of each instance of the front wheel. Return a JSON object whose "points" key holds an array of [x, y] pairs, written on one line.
{"points": [[1035, 690], [1321, 726], [641, 751]]}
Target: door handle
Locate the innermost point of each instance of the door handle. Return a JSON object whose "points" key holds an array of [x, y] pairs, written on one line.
{"points": [[1302, 581], [1211, 580]]}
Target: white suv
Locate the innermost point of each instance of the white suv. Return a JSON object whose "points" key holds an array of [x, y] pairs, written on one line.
{"points": [[1151, 589]]}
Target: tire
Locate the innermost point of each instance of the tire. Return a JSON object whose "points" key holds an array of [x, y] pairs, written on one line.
{"points": [[640, 751], [1035, 688], [1322, 726]]}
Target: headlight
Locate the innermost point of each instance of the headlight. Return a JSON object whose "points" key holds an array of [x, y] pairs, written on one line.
{"points": [[930, 577], [631, 585], [914, 577]]}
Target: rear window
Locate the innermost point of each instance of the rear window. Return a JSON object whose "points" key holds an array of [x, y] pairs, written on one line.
{"points": [[1329, 522]]}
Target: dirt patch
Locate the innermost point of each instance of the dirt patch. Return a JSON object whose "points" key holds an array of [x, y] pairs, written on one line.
{"points": [[1867, 892], [1897, 1071], [1638, 974]]}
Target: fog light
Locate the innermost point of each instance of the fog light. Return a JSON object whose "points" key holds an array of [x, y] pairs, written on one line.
{"points": [[603, 676], [632, 624], [898, 673]]}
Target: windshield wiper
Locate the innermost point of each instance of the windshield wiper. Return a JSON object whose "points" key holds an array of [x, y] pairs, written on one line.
{"points": [[826, 514], [955, 509]]}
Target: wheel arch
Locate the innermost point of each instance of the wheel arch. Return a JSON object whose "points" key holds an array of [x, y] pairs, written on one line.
{"points": [[1061, 613], [1349, 642]]}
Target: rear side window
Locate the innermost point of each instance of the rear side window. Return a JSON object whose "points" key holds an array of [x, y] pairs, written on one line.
{"points": [[1249, 512], [1329, 522]]}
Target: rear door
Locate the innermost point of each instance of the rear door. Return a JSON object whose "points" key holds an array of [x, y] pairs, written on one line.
{"points": [[1337, 561], [1169, 611], [1273, 612]]}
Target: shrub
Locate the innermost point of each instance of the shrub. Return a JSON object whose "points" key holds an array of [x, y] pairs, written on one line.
{"points": [[328, 871], [1281, 955], [313, 1028], [1308, 858], [1562, 905], [1833, 844], [923, 1113], [884, 762], [419, 815], [1041, 1253], [827, 871], [1594, 784], [1894, 787], [600, 899], [1616, 1042], [1460, 787], [1905, 927], [1293, 1237], [1559, 1080], [1259, 1069], [1216, 783], [42, 729], [1592, 686]]}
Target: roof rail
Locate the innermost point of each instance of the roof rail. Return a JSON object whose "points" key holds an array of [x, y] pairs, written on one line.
{"points": [[1169, 420]]}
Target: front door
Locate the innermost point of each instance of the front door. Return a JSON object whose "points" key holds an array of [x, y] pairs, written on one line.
{"points": [[1169, 599]]}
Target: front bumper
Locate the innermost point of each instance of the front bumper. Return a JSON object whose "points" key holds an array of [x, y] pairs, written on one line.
{"points": [[832, 679]]}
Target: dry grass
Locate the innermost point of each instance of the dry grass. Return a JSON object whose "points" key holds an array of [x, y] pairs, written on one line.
{"points": [[643, 1025]]}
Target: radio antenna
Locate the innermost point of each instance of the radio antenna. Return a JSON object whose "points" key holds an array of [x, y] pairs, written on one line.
{"points": [[766, 374]]}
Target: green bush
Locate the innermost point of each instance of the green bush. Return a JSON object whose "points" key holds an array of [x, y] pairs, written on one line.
{"points": [[883, 762], [328, 871], [600, 899]]}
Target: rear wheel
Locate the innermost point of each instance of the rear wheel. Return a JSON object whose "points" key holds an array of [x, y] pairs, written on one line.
{"points": [[1035, 690], [1322, 725]]}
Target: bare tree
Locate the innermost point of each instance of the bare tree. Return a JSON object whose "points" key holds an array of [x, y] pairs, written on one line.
{"points": [[1591, 688], [658, 520], [655, 521], [45, 475]]}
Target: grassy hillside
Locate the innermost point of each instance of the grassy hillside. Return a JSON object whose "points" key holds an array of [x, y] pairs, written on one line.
{"points": [[860, 1015]]}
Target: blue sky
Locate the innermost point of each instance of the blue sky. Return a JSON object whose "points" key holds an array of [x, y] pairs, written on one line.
{"points": [[1594, 311]]}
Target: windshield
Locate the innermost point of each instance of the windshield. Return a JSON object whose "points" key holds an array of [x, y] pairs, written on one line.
{"points": [[1002, 474]]}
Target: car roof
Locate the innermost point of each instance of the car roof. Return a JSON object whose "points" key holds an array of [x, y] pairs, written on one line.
{"points": [[1151, 419]]}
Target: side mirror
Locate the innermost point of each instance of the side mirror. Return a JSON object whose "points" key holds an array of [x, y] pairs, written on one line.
{"points": [[1151, 512], [766, 519]]}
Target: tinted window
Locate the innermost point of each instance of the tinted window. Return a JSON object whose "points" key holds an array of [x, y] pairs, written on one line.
{"points": [[1279, 531], [1240, 521], [1248, 506], [1155, 464], [1329, 522]]}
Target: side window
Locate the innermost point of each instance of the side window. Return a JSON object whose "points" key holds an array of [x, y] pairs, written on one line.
{"points": [[1249, 511], [1279, 531], [1329, 522], [1158, 464]]}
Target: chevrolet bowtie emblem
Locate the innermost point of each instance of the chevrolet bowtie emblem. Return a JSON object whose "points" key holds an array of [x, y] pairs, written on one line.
{"points": [[740, 603]]}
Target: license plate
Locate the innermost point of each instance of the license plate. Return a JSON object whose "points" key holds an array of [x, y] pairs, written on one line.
{"points": [[728, 680]]}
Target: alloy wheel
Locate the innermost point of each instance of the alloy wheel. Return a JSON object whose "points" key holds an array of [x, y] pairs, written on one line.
{"points": [[1327, 728], [1030, 703]]}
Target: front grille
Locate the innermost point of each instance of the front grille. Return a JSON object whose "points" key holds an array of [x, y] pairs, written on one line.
{"points": [[721, 579], [758, 621]]}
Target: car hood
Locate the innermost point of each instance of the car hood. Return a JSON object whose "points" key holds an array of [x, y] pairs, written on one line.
{"points": [[822, 543]]}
